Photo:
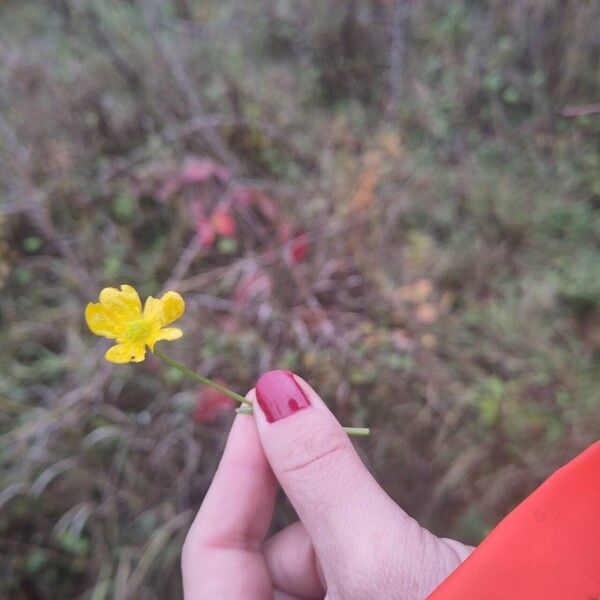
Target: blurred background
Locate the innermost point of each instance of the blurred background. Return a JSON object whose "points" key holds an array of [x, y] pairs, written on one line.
{"points": [[398, 200]]}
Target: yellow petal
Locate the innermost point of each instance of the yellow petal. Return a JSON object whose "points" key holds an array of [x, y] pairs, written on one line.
{"points": [[168, 333], [164, 310], [123, 304], [124, 353], [102, 321]]}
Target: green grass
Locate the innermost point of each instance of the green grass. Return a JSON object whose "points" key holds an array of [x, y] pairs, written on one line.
{"points": [[449, 297]]}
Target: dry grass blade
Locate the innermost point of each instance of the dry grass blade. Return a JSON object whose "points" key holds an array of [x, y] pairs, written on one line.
{"points": [[155, 546]]}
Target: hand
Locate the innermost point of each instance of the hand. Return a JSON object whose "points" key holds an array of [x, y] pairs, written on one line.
{"points": [[352, 541]]}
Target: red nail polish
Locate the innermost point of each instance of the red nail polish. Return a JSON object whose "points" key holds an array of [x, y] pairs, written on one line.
{"points": [[279, 395]]}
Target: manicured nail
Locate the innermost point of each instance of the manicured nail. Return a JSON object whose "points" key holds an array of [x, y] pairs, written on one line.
{"points": [[279, 395]]}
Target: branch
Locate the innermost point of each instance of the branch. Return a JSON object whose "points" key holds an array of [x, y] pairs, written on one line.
{"points": [[33, 202], [579, 111], [186, 87]]}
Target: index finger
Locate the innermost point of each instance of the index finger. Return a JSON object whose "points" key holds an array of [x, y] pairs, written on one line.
{"points": [[233, 519]]}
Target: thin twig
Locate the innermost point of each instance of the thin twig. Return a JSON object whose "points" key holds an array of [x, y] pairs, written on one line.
{"points": [[580, 111], [397, 50], [270, 256], [178, 132], [187, 88], [184, 263], [129, 73], [34, 202]]}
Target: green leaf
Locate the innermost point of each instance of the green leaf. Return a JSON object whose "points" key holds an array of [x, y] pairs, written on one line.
{"points": [[32, 243]]}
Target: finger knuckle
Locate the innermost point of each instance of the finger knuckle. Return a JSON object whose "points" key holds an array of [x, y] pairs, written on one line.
{"points": [[311, 451]]}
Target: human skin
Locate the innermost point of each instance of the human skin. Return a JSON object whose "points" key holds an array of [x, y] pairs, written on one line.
{"points": [[351, 540]]}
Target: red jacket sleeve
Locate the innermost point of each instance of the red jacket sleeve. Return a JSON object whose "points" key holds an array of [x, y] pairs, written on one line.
{"points": [[548, 548]]}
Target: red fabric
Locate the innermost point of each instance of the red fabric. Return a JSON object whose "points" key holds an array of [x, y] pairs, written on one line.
{"points": [[548, 548]]}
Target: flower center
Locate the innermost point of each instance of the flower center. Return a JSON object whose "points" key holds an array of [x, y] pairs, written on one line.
{"points": [[137, 331]]}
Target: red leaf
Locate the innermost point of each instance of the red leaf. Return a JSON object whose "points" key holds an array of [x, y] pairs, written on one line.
{"points": [[299, 248], [194, 171], [223, 223], [266, 206], [252, 286], [196, 207], [210, 404], [285, 231], [252, 198], [205, 232], [242, 197], [299, 242], [201, 170]]}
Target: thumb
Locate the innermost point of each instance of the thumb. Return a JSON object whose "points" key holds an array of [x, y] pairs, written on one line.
{"points": [[315, 462], [359, 534]]}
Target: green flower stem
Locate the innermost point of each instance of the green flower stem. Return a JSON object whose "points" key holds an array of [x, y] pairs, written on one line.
{"points": [[243, 410], [201, 379], [356, 431]]}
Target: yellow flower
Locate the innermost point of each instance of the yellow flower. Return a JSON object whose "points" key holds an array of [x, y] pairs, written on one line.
{"points": [[119, 316]]}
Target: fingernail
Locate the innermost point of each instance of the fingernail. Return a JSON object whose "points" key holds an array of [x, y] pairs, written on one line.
{"points": [[279, 396]]}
